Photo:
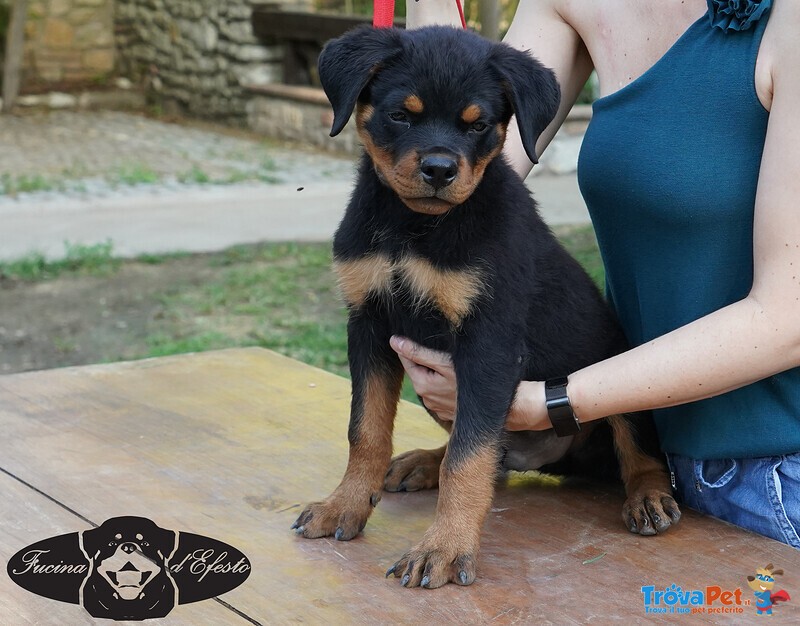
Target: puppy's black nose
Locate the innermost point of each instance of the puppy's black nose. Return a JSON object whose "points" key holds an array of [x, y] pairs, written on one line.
{"points": [[438, 170], [129, 548]]}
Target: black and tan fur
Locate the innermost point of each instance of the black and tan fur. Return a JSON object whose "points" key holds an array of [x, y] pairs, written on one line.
{"points": [[441, 242]]}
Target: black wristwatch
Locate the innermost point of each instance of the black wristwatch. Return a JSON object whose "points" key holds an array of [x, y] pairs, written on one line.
{"points": [[559, 409]]}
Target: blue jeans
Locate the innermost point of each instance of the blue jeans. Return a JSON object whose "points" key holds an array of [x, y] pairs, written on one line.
{"points": [[760, 494]]}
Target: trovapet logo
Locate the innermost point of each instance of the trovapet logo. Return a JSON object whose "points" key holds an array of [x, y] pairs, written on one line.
{"points": [[710, 600], [714, 599]]}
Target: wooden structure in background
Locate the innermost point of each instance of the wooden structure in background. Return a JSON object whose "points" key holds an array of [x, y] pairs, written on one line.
{"points": [[303, 35]]}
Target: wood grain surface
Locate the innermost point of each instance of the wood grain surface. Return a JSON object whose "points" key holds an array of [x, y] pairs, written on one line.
{"points": [[232, 444]]}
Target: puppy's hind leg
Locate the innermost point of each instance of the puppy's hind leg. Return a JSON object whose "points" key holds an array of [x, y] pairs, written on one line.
{"points": [[650, 507], [414, 470]]}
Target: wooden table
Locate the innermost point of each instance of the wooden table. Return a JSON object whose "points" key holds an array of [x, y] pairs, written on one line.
{"points": [[232, 444]]}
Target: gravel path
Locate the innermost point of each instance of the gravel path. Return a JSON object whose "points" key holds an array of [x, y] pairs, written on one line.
{"points": [[105, 152], [152, 187]]}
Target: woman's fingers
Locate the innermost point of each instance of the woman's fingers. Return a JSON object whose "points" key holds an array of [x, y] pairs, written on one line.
{"points": [[432, 375], [413, 353]]}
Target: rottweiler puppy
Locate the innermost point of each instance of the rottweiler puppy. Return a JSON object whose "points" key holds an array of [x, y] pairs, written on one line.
{"points": [[441, 242]]}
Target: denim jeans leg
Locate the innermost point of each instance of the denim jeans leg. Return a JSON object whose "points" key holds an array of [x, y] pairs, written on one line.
{"points": [[760, 494], [786, 501]]}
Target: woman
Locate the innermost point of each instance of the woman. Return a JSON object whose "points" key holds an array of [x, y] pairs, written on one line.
{"points": [[691, 171]]}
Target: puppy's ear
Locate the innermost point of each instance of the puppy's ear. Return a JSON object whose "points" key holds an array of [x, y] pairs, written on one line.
{"points": [[531, 89], [347, 64]]}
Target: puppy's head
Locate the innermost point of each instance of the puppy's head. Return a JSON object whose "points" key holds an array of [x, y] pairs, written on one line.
{"points": [[433, 104]]}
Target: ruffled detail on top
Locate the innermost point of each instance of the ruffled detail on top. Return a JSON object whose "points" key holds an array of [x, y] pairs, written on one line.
{"points": [[736, 15]]}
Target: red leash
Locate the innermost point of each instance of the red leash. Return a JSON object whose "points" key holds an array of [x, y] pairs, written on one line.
{"points": [[383, 13]]}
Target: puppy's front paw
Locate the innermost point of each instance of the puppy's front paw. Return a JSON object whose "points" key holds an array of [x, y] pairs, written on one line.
{"points": [[433, 563], [341, 517], [650, 511]]}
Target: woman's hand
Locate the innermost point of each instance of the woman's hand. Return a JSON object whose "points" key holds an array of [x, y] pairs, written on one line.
{"points": [[432, 375], [434, 379]]}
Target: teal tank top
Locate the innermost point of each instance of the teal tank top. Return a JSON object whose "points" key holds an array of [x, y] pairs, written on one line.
{"points": [[668, 169]]}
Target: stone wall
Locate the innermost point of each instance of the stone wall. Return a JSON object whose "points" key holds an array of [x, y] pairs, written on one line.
{"points": [[194, 56], [68, 41], [300, 115]]}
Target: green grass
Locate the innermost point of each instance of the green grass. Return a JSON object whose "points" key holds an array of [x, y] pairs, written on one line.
{"points": [[13, 185], [134, 174], [282, 297], [165, 345], [278, 296], [96, 260], [194, 175], [72, 178], [158, 259]]}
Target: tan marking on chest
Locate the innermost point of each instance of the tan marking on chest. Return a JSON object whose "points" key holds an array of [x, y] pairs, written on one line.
{"points": [[360, 277], [452, 292]]}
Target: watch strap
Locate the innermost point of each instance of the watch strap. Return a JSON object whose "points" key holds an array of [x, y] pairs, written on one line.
{"points": [[559, 410]]}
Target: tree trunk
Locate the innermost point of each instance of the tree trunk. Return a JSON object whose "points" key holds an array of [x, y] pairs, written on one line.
{"points": [[490, 18], [15, 41]]}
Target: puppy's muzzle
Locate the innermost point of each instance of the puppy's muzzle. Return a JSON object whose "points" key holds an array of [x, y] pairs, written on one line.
{"points": [[438, 170]]}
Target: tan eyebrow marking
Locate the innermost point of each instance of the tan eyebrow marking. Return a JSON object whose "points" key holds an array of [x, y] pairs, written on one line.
{"points": [[471, 114], [414, 104]]}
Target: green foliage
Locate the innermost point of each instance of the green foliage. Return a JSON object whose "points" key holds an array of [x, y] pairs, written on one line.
{"points": [[95, 260], [194, 175], [13, 185], [165, 345], [135, 174], [280, 296]]}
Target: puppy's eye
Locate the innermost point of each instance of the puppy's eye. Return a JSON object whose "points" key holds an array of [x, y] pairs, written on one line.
{"points": [[398, 116], [479, 127]]}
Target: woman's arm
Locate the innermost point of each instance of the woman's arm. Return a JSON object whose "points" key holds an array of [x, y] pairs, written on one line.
{"points": [[744, 342], [540, 28]]}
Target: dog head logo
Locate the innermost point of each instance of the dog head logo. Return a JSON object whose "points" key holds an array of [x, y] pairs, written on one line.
{"points": [[129, 568], [128, 577]]}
